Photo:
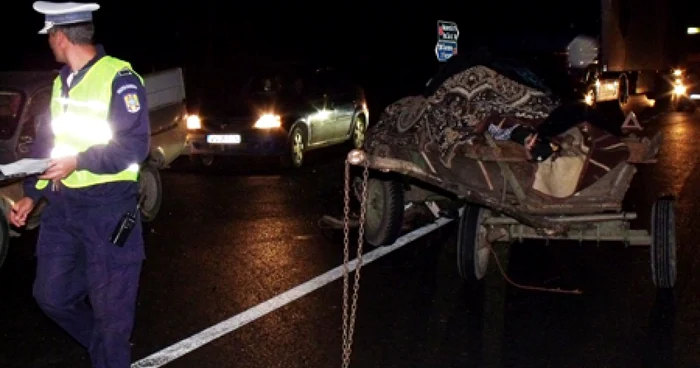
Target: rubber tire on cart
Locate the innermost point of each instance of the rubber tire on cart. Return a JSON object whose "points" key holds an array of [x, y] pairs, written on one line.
{"points": [[151, 187], [384, 213], [4, 239], [663, 243], [472, 251]]}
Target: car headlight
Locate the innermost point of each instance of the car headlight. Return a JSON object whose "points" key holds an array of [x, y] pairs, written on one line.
{"points": [[194, 122], [679, 89], [589, 98], [268, 121]]}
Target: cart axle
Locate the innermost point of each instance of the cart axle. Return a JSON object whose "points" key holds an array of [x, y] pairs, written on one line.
{"points": [[609, 231], [625, 216]]}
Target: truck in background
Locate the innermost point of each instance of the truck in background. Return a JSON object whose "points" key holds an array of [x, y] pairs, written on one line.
{"points": [[24, 104], [639, 52]]}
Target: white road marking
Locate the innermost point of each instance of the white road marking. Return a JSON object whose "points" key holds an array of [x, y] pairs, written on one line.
{"points": [[212, 333]]}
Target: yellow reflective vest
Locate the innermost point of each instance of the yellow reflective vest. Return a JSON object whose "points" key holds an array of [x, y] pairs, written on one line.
{"points": [[80, 121]]}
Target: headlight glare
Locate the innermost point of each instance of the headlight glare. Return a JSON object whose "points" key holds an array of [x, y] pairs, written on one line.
{"points": [[268, 121], [194, 122], [679, 89]]}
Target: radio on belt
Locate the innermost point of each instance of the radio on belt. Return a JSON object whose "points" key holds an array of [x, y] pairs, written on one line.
{"points": [[124, 227]]}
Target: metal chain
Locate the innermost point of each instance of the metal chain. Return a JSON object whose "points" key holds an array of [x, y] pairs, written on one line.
{"points": [[349, 322]]}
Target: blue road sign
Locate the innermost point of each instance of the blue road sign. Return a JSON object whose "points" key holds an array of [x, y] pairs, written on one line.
{"points": [[447, 31], [445, 50]]}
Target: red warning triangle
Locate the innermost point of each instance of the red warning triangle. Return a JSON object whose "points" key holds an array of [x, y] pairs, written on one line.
{"points": [[631, 122]]}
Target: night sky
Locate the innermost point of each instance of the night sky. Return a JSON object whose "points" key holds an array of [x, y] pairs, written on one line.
{"points": [[390, 45], [215, 42]]}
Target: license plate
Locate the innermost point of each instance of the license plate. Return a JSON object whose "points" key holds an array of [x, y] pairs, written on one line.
{"points": [[224, 138], [608, 91]]}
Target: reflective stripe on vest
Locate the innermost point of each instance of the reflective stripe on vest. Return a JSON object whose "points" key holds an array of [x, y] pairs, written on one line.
{"points": [[81, 121]]}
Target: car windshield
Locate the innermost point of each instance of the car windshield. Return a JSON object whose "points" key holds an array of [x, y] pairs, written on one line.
{"points": [[246, 95], [272, 86], [10, 107]]}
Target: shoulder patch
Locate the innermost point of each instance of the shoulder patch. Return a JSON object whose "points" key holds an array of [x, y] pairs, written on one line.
{"points": [[131, 100], [124, 72], [126, 87]]}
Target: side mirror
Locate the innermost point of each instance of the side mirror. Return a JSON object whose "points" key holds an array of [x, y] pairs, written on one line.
{"points": [[582, 51]]}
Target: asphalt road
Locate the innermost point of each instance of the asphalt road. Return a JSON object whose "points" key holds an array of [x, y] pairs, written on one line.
{"points": [[239, 248]]}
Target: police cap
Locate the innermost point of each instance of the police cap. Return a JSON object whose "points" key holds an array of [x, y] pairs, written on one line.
{"points": [[64, 13]]}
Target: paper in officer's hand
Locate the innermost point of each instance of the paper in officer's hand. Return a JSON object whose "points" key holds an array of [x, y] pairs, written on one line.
{"points": [[25, 167]]}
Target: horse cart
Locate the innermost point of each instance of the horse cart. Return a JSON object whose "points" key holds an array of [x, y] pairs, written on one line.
{"points": [[453, 152]]}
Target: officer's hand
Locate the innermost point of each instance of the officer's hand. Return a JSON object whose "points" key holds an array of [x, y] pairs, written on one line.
{"points": [[60, 168], [20, 210]]}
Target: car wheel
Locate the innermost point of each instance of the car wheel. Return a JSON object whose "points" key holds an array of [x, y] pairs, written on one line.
{"points": [[624, 96], [359, 131], [151, 189], [206, 160], [297, 145]]}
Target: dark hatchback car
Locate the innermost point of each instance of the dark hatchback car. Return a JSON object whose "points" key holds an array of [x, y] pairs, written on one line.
{"points": [[282, 114]]}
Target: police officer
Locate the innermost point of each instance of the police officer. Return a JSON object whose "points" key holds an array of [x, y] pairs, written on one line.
{"points": [[98, 136]]}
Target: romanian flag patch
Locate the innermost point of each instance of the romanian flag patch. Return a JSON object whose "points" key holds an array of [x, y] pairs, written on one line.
{"points": [[132, 102]]}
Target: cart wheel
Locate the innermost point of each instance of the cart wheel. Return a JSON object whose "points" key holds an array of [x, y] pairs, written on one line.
{"points": [[472, 250], [663, 243], [384, 213], [4, 239], [150, 186]]}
